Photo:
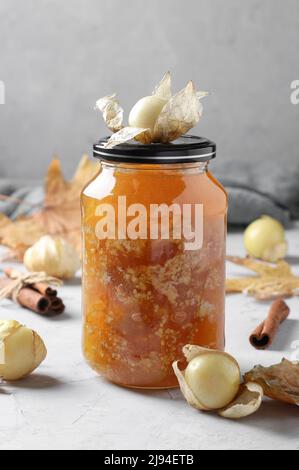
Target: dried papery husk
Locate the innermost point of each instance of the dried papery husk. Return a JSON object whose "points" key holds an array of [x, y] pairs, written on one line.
{"points": [[112, 112], [191, 352], [178, 116], [163, 89], [272, 280], [270, 291], [279, 382], [186, 390], [129, 133], [263, 268], [247, 402], [201, 94]]}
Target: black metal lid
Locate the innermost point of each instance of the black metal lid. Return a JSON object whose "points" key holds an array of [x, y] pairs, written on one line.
{"points": [[186, 149]]}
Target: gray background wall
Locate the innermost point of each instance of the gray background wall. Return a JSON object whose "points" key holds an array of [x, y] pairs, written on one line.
{"points": [[57, 57]]}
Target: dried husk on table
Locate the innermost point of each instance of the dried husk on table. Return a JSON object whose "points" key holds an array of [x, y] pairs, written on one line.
{"points": [[279, 382], [270, 282]]}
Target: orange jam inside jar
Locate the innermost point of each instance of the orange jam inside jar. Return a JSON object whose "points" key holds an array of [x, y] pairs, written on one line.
{"points": [[154, 230]]}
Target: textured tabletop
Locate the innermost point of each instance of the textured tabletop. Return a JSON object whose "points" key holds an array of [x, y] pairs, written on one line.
{"points": [[64, 405]]}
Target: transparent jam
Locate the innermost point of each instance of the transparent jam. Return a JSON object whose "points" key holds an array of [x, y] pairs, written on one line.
{"points": [[144, 299]]}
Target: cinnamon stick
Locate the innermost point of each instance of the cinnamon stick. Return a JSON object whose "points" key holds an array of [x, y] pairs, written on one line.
{"points": [[56, 305], [29, 298], [263, 336], [58, 309], [45, 289]]}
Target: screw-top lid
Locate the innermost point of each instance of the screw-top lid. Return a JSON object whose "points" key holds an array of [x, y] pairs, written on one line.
{"points": [[186, 149]]}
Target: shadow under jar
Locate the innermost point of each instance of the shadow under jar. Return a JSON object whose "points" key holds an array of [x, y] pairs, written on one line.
{"points": [[154, 231]]}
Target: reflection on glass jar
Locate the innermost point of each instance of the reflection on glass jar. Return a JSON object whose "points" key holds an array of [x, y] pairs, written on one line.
{"points": [[154, 229]]}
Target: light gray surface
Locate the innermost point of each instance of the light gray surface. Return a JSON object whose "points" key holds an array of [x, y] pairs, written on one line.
{"points": [[64, 405], [57, 58]]}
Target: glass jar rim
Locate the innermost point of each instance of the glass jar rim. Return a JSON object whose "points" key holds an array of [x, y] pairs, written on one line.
{"points": [[186, 149]]}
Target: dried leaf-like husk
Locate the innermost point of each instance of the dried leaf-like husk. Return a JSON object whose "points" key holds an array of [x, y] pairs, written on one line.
{"points": [[262, 288], [20, 234], [279, 382], [163, 89], [270, 290], [280, 269], [273, 280], [112, 112], [186, 390], [246, 403], [178, 116], [191, 351], [201, 94], [128, 133]]}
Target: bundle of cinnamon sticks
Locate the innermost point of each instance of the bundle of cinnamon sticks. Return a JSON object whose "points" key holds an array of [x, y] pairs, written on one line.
{"points": [[38, 297]]}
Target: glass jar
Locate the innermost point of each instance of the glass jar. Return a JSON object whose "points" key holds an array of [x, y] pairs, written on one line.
{"points": [[154, 230]]}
